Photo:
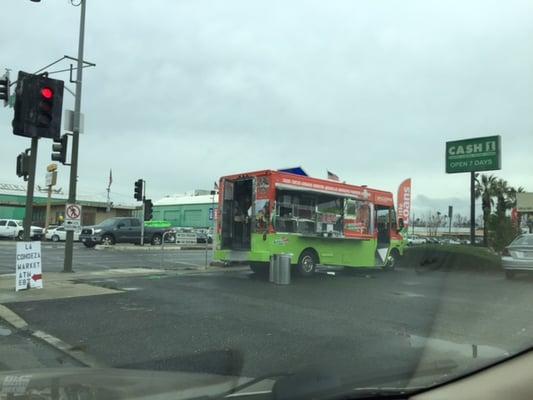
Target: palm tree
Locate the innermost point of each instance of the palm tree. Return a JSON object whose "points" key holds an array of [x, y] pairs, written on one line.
{"points": [[486, 189], [512, 195], [501, 189]]}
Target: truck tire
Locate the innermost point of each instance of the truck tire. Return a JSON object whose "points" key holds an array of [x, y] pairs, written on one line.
{"points": [[259, 268], [89, 245], [394, 258], [55, 238], [20, 235], [156, 240], [307, 263], [108, 240]]}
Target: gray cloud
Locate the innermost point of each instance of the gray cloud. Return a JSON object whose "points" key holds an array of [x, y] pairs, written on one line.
{"points": [[186, 91]]}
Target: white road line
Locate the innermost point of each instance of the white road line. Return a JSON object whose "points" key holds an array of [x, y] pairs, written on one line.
{"points": [[73, 352], [12, 318]]}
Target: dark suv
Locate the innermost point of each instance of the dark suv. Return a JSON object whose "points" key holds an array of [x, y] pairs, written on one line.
{"points": [[123, 230]]}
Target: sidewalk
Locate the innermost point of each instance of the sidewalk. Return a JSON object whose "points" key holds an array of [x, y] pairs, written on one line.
{"points": [[148, 247], [19, 350], [59, 285]]}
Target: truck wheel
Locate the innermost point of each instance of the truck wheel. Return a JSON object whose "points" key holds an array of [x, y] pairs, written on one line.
{"points": [[156, 240], [89, 245], [393, 259], [259, 268], [20, 235], [108, 240], [55, 238], [307, 263]]}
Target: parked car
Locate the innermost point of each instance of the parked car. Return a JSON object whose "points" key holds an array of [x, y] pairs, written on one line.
{"points": [[450, 241], [123, 230], [518, 256], [202, 237], [60, 234], [14, 229], [414, 239]]}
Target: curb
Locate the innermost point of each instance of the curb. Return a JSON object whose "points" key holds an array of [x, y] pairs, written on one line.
{"points": [[12, 318], [149, 248], [75, 353]]}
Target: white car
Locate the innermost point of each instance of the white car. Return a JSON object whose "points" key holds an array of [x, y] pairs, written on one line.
{"points": [[13, 228], [60, 234], [414, 239]]}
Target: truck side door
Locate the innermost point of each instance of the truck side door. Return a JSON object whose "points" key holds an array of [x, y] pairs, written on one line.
{"points": [[135, 236], [12, 228], [3, 228], [122, 231]]}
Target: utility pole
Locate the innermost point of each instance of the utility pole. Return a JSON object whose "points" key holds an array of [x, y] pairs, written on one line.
{"points": [[472, 208], [142, 212], [28, 216], [67, 266], [51, 177], [48, 199]]}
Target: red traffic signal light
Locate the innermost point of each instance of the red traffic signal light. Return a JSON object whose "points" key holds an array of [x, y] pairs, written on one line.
{"points": [[38, 106], [47, 93]]}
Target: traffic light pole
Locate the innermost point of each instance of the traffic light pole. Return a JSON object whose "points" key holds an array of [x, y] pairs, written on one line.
{"points": [[473, 208], [67, 266], [28, 216], [142, 214]]}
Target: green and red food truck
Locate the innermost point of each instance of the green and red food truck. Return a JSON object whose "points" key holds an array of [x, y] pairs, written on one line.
{"points": [[316, 221]]}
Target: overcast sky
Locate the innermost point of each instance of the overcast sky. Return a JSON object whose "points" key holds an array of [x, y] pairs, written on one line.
{"points": [[186, 91]]}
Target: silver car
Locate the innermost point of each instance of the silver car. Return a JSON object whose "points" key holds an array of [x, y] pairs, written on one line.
{"points": [[518, 256]]}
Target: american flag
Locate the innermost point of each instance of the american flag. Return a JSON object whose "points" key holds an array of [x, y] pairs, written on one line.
{"points": [[332, 176], [110, 179]]}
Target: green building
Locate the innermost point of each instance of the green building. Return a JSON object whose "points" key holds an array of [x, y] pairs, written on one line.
{"points": [[187, 211]]}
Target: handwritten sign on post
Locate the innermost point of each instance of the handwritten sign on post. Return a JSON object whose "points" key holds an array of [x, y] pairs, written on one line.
{"points": [[28, 269]]}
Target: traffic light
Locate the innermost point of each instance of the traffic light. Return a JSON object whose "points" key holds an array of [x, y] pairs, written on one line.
{"points": [[4, 89], [148, 210], [138, 194], [59, 149], [23, 165], [38, 106]]}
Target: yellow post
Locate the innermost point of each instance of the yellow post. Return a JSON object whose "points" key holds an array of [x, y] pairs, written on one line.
{"points": [[51, 179]]}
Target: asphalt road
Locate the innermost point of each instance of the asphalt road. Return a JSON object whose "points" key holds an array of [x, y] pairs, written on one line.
{"points": [[355, 325], [106, 258]]}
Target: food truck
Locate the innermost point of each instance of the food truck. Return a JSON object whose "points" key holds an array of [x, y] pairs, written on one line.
{"points": [[315, 221]]}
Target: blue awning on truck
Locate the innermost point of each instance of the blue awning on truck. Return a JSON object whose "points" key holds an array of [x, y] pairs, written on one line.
{"points": [[295, 171]]}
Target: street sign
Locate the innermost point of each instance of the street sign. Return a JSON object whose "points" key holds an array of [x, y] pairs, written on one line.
{"points": [[68, 119], [186, 238], [51, 178], [473, 155], [72, 217], [28, 268]]}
